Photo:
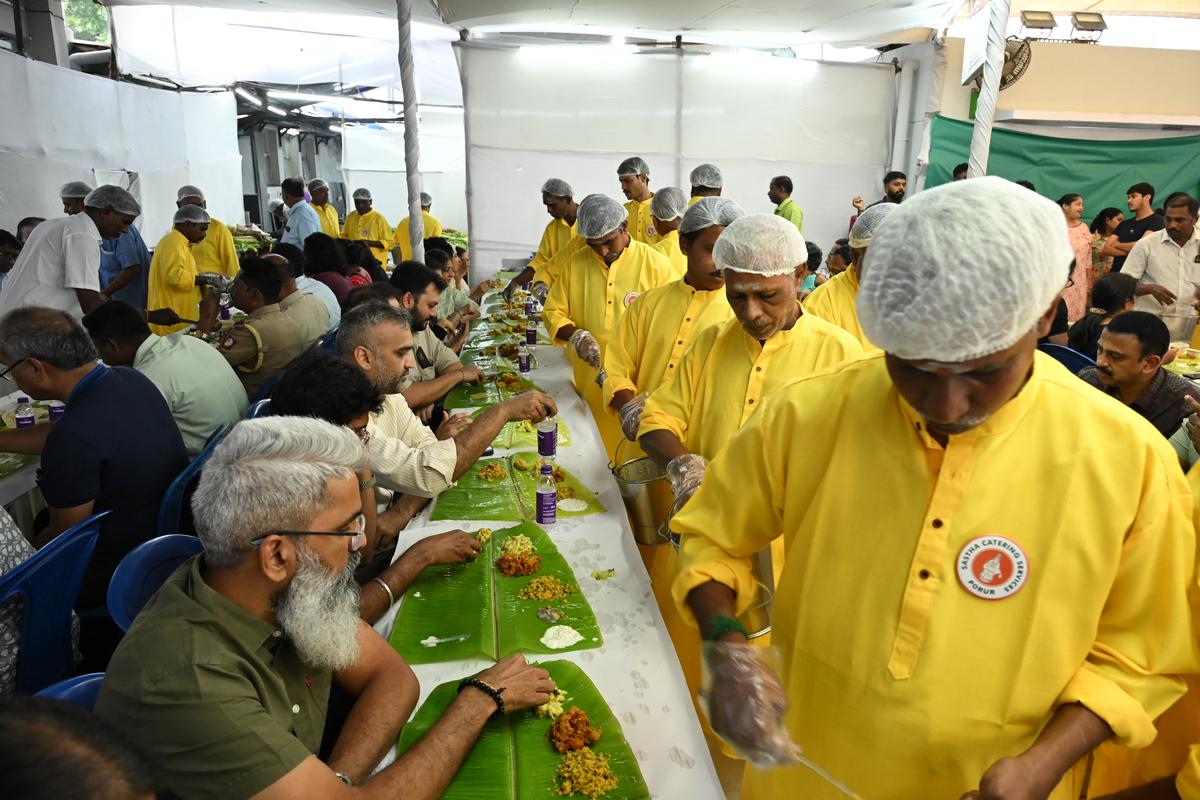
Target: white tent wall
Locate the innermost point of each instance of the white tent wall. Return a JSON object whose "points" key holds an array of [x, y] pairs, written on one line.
{"points": [[576, 112], [60, 125]]}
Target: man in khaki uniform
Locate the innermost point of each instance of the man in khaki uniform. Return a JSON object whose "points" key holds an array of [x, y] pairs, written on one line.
{"points": [[262, 345], [307, 311]]}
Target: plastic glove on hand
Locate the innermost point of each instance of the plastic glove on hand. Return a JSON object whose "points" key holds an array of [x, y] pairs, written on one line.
{"points": [[631, 416], [586, 347], [541, 291], [745, 703], [685, 473]]}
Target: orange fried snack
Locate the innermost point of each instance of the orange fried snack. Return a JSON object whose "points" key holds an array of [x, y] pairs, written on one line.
{"points": [[573, 731], [512, 565]]}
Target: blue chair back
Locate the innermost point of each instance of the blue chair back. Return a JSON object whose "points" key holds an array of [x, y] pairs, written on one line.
{"points": [[82, 690], [48, 584], [143, 570], [171, 512], [259, 409], [1072, 360], [329, 340]]}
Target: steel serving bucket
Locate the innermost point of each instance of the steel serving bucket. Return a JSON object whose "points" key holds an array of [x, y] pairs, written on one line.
{"points": [[635, 478]]}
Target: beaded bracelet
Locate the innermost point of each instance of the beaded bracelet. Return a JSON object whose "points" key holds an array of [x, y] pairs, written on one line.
{"points": [[487, 689]]}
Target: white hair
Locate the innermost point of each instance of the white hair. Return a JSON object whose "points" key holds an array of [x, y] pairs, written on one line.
{"points": [[269, 474]]}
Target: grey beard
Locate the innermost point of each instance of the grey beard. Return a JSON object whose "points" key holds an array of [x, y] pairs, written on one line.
{"points": [[318, 612]]}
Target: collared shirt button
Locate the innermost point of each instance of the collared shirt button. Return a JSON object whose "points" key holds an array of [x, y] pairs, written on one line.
{"points": [[937, 523], [925, 574], [750, 401], [276, 634], [758, 369], [296, 709]]}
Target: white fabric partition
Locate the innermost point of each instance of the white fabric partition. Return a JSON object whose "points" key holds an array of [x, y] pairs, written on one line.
{"points": [[576, 112], [60, 125]]}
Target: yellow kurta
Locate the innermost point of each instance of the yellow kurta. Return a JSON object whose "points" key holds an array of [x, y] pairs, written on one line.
{"points": [[432, 228], [554, 238], [329, 220], [641, 221], [669, 246], [693, 200], [899, 681], [216, 253], [833, 301], [654, 333], [371, 226], [594, 297], [172, 281], [548, 272]]}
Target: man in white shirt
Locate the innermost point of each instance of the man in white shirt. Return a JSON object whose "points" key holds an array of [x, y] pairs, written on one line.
{"points": [[1167, 265], [59, 267], [302, 219], [201, 389]]}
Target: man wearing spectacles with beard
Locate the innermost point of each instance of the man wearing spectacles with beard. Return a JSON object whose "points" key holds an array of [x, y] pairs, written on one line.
{"points": [[225, 676]]}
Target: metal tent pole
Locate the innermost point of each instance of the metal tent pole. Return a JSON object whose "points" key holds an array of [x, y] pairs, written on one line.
{"points": [[985, 109], [412, 148]]}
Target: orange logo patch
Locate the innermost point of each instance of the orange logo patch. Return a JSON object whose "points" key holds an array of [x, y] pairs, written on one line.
{"points": [[992, 567]]}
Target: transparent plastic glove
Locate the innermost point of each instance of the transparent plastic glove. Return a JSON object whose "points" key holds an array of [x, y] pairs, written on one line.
{"points": [[685, 473], [586, 347], [745, 702], [541, 291], [215, 280], [631, 416]]}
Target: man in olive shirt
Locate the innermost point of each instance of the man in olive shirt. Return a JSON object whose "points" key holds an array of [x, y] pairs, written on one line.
{"points": [[224, 677], [308, 312]]}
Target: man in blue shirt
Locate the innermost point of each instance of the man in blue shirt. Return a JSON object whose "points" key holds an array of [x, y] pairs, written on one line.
{"points": [[116, 448], [302, 219], [125, 268]]}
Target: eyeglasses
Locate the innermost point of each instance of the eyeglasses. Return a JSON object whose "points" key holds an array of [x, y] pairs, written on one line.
{"points": [[4, 373], [364, 435], [357, 534]]}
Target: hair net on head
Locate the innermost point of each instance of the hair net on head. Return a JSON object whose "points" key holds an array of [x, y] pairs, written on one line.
{"points": [[74, 190], [668, 204], [599, 215], [940, 283], [633, 166], [708, 176], [191, 213], [114, 197], [313, 185], [867, 222], [557, 187], [764, 244], [189, 191], [426, 199], [709, 211], [361, 194]]}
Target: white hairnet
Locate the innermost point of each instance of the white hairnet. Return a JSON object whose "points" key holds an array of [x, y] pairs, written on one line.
{"points": [[709, 211], [361, 194], [599, 215], [867, 222], [633, 166], [708, 176], [189, 191], [763, 244], [274, 203], [190, 213], [313, 185], [74, 190], [668, 204], [940, 282], [114, 197], [426, 199], [557, 187]]}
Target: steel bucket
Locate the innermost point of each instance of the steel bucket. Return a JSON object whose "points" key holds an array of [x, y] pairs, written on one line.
{"points": [[636, 478]]}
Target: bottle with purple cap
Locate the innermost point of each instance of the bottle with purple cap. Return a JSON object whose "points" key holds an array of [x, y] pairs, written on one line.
{"points": [[547, 496]]}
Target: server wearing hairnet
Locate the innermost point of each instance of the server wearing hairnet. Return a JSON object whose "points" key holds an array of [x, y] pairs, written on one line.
{"points": [[706, 181], [596, 287], [558, 198], [71, 194], [217, 252], [634, 176], [174, 275], [965, 605], [666, 211], [368, 226], [319, 191], [432, 225]]}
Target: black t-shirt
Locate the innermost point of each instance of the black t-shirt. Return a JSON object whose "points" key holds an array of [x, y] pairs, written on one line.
{"points": [[118, 446], [1059, 325], [1133, 229]]}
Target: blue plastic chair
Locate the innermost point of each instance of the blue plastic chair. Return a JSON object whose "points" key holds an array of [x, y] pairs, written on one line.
{"points": [[329, 341], [82, 690], [259, 409], [48, 584], [1072, 360], [143, 570], [170, 513]]}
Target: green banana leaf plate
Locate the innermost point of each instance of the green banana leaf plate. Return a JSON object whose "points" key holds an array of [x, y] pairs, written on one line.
{"points": [[487, 363], [526, 482], [471, 395], [512, 499], [522, 435], [473, 611], [492, 338], [513, 760], [12, 463]]}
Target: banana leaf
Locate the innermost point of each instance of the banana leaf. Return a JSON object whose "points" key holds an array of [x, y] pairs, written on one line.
{"points": [[522, 385], [523, 435], [492, 338], [487, 362], [472, 395], [513, 758], [11, 463], [469, 611], [474, 497], [526, 482]]}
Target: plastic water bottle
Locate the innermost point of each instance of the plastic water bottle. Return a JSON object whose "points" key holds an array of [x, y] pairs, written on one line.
{"points": [[547, 497], [530, 306], [24, 413], [523, 358], [57, 409], [547, 436], [531, 331]]}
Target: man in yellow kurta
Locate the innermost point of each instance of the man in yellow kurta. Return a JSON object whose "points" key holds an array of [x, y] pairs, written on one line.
{"points": [[587, 302], [367, 225], [319, 191], [432, 226], [834, 300], [174, 281], [634, 175], [666, 211], [706, 181], [557, 197], [996, 600], [217, 252]]}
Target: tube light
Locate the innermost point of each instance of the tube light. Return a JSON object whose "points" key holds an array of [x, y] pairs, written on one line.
{"points": [[277, 110], [247, 96]]}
